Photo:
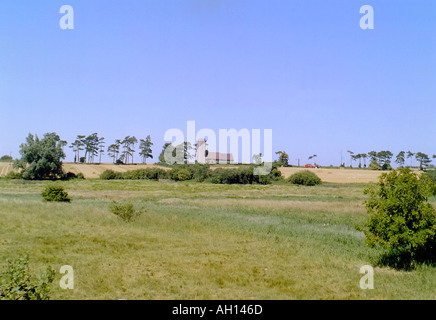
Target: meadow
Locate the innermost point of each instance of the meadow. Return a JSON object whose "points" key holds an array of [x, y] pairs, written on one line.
{"points": [[202, 241]]}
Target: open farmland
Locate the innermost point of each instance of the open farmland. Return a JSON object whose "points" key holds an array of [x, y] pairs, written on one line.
{"points": [[202, 241]]}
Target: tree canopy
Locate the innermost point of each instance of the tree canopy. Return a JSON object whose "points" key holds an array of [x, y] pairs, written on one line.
{"points": [[41, 159]]}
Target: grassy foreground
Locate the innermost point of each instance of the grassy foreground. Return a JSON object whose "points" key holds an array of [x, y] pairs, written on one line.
{"points": [[202, 241]]}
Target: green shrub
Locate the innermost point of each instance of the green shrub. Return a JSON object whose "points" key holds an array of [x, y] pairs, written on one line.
{"points": [[55, 193], [71, 175], [110, 175], [374, 165], [17, 284], [13, 175], [183, 175], [305, 177], [432, 175], [148, 173], [6, 158], [125, 211], [243, 175], [400, 218]]}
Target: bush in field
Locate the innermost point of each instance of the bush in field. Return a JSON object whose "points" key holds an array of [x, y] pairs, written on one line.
{"points": [[125, 211], [244, 175], [148, 173], [13, 175], [197, 172], [110, 175], [6, 158], [55, 193], [400, 218], [183, 175], [432, 175], [140, 174], [18, 284], [305, 178], [71, 175]]}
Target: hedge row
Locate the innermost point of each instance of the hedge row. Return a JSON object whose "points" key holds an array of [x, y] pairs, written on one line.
{"points": [[197, 172]]}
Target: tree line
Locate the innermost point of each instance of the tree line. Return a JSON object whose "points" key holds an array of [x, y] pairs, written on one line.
{"points": [[378, 160], [121, 151], [381, 160]]}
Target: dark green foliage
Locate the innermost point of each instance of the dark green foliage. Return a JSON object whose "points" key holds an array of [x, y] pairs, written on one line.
{"points": [[55, 193], [243, 175], [18, 284], [196, 172], [432, 175], [13, 175], [305, 178], [401, 220], [374, 165], [199, 173], [125, 211], [110, 175], [6, 158], [71, 175], [140, 174], [41, 159]]}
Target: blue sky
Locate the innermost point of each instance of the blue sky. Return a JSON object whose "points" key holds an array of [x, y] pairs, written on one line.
{"points": [[304, 69]]}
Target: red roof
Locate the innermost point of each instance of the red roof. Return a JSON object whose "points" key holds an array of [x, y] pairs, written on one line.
{"points": [[216, 156]]}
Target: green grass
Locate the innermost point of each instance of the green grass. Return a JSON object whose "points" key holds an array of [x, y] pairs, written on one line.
{"points": [[202, 241]]}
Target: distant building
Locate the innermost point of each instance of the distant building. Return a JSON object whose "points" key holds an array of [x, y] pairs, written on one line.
{"points": [[216, 157], [204, 156]]}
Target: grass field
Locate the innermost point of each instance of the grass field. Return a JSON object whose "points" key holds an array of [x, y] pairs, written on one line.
{"points": [[202, 241]]}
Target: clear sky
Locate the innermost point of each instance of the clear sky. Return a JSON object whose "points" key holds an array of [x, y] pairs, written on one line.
{"points": [[304, 69]]}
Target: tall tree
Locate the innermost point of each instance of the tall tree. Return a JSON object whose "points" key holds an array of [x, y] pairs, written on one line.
{"points": [[400, 159], [351, 157], [283, 158], [358, 157], [114, 150], [162, 154], [101, 144], [145, 147], [423, 159], [364, 156], [41, 159], [384, 158], [77, 146], [410, 155]]}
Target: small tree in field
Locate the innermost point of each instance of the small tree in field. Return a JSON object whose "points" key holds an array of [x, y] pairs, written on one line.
{"points": [[401, 220]]}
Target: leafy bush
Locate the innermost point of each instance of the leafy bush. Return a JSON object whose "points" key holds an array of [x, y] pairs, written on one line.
{"points": [[432, 175], [305, 177], [125, 211], [243, 175], [13, 175], [6, 158], [71, 175], [374, 165], [401, 220], [197, 172], [55, 193], [183, 175], [17, 284], [110, 175], [148, 173]]}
